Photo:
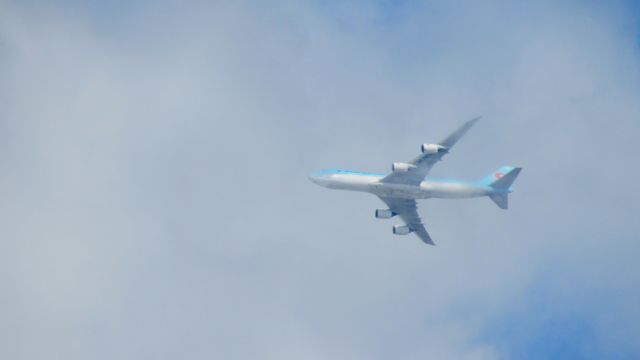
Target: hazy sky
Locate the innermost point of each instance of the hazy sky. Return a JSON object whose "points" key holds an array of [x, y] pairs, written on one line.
{"points": [[154, 201]]}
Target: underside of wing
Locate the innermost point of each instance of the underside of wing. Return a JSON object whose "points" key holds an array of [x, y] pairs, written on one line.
{"points": [[419, 168], [407, 210], [415, 174]]}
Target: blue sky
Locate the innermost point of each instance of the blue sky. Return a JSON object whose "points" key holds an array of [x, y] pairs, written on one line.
{"points": [[155, 156]]}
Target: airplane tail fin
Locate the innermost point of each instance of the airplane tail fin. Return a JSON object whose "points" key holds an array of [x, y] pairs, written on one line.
{"points": [[501, 181]]}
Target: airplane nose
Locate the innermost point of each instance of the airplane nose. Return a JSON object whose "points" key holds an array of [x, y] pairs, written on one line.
{"points": [[314, 178], [318, 179]]}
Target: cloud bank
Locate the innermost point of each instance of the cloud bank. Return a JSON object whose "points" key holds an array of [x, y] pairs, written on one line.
{"points": [[153, 162]]}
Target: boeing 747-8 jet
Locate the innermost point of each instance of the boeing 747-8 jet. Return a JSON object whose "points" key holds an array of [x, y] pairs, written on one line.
{"points": [[406, 183]]}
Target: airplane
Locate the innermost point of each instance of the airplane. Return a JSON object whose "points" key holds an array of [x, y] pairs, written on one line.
{"points": [[406, 183]]}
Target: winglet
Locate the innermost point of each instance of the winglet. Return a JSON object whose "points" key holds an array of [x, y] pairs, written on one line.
{"points": [[456, 135]]}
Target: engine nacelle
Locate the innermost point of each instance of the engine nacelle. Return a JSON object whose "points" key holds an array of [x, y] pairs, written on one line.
{"points": [[401, 167], [401, 230], [433, 148], [384, 214]]}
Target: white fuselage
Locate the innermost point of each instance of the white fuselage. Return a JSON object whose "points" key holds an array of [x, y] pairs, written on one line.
{"points": [[355, 181]]}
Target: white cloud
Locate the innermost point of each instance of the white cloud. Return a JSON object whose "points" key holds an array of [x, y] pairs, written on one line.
{"points": [[154, 162]]}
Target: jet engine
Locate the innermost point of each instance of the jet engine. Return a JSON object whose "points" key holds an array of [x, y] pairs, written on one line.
{"points": [[401, 167], [384, 214], [401, 230], [433, 148]]}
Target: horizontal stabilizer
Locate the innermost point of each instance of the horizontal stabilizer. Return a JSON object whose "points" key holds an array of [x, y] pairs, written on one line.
{"points": [[502, 200]]}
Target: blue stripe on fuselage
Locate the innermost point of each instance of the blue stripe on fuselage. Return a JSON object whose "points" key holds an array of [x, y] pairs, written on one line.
{"points": [[433, 180]]}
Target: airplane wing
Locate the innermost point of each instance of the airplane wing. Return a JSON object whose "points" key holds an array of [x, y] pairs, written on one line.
{"points": [[423, 163], [407, 209]]}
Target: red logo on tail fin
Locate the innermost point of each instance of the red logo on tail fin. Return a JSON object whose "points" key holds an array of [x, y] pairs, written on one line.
{"points": [[498, 175]]}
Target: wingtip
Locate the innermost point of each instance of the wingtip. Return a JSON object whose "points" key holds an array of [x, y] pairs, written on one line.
{"points": [[475, 119], [453, 138], [427, 239]]}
